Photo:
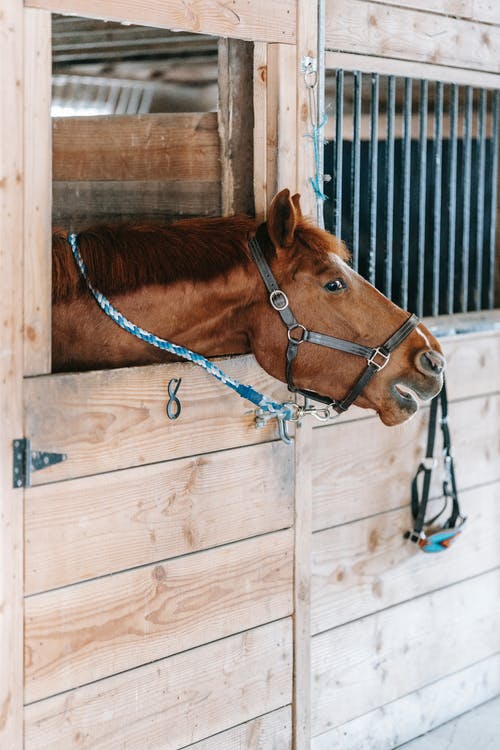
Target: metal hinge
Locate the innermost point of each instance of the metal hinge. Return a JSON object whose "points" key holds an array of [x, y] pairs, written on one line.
{"points": [[25, 461]]}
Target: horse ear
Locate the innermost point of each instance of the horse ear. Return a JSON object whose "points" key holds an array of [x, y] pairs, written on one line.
{"points": [[296, 204], [284, 212]]}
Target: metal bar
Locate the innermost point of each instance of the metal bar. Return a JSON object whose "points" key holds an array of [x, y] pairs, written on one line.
{"points": [[481, 160], [437, 159], [467, 152], [422, 192], [339, 117], [320, 205], [389, 183], [405, 241], [356, 162], [374, 109], [452, 196], [493, 198]]}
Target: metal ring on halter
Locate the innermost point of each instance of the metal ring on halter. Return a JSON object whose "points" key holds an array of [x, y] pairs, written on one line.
{"points": [[278, 294], [379, 353], [302, 335]]}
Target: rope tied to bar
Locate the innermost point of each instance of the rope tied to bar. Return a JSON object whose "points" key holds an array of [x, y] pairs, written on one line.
{"points": [[317, 123]]}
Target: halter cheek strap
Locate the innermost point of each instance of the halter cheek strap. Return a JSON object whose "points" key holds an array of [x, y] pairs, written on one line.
{"points": [[376, 357]]}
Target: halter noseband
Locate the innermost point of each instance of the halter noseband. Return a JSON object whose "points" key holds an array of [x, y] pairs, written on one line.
{"points": [[377, 357]]}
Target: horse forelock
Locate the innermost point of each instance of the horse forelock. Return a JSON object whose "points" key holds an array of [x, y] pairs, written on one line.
{"points": [[124, 257]]}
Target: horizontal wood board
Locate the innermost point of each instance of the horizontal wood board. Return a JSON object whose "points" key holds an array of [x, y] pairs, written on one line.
{"points": [[136, 147], [79, 204], [259, 20], [365, 664], [486, 11], [414, 713], [114, 419], [365, 566], [270, 732], [79, 634], [376, 477], [173, 702], [370, 28], [154, 513]]}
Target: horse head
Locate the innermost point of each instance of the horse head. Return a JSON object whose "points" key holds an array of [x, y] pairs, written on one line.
{"points": [[327, 296]]}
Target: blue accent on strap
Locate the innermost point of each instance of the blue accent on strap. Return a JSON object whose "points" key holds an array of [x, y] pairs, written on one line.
{"points": [[266, 404]]}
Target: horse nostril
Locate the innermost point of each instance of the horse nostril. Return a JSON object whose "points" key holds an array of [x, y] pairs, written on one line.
{"points": [[432, 361]]}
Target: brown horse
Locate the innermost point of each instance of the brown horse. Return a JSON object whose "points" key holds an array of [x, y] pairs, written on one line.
{"points": [[194, 283]]}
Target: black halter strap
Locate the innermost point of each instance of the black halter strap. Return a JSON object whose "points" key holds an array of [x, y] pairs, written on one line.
{"points": [[376, 357]]}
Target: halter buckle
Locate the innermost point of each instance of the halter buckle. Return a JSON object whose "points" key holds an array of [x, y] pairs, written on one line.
{"points": [[372, 362], [278, 299]]}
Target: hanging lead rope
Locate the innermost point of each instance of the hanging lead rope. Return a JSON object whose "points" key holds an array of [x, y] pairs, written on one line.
{"points": [[317, 122]]}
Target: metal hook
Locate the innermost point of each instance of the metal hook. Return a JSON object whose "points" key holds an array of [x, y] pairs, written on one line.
{"points": [[283, 432]]}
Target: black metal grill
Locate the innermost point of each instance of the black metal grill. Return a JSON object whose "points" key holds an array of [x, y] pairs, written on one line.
{"points": [[414, 188]]}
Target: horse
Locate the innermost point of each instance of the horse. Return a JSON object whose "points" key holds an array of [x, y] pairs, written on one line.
{"points": [[195, 283]]}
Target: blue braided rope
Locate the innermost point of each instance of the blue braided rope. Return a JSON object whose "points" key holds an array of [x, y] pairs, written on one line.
{"points": [[266, 404], [317, 139]]}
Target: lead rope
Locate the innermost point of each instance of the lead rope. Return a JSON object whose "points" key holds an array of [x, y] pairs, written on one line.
{"points": [[267, 407]]}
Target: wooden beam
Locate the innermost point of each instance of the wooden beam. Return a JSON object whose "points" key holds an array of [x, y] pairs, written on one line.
{"points": [[368, 28], [37, 192], [11, 370], [272, 730], [137, 147], [260, 20], [485, 11], [260, 130], [182, 697], [236, 119]]}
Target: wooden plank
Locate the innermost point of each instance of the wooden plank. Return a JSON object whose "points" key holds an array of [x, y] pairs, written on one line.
{"points": [[153, 512], [137, 147], [260, 130], [281, 119], [37, 193], [236, 118], [477, 728], [260, 20], [115, 419], [270, 732], [175, 701], [83, 633], [79, 204], [485, 11], [365, 566], [405, 34], [11, 370], [470, 361], [376, 476], [399, 721], [372, 661], [430, 71], [302, 589]]}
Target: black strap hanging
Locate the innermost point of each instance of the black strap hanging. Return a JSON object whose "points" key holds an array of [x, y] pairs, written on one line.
{"points": [[424, 533]]}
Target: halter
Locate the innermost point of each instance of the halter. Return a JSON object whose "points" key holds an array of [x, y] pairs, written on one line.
{"points": [[376, 358]]}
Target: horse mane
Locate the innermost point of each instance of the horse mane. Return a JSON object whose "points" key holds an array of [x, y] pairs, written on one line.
{"points": [[124, 257]]}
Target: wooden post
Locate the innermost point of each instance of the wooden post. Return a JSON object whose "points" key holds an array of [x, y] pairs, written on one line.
{"points": [[37, 191], [11, 368], [235, 72]]}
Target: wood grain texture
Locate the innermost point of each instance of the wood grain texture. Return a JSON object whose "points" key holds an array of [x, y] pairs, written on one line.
{"points": [[79, 204], [486, 11], [281, 109], [376, 476], [153, 513], [37, 192], [270, 732], [421, 711], [366, 566], [409, 69], [260, 130], [173, 702], [11, 369], [262, 20], [107, 420], [406, 34], [365, 664], [137, 147], [83, 633]]}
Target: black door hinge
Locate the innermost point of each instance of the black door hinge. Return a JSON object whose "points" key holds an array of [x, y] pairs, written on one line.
{"points": [[25, 461]]}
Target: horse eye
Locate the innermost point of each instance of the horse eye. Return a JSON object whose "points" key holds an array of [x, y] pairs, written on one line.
{"points": [[335, 285]]}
